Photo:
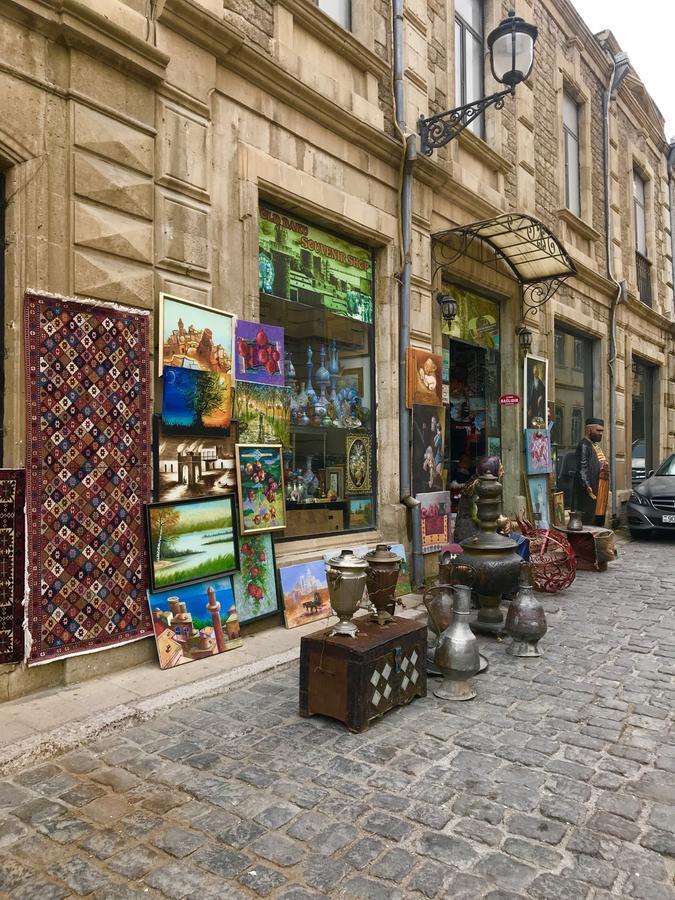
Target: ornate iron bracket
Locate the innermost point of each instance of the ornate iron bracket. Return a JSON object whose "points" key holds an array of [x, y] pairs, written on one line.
{"points": [[535, 295], [437, 131]]}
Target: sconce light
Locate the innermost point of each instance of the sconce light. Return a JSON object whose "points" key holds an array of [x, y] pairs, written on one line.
{"points": [[448, 306], [524, 337]]}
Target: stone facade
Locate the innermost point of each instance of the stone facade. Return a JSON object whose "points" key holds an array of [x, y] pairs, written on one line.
{"points": [[137, 140]]}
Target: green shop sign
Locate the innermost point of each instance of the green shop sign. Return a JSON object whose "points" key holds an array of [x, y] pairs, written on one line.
{"points": [[304, 264]]}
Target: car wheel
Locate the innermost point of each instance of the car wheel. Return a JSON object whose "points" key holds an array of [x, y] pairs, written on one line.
{"points": [[640, 535]]}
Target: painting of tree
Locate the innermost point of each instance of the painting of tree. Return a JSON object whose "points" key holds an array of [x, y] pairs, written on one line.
{"points": [[164, 521]]}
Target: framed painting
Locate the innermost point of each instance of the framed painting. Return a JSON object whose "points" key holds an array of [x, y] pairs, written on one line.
{"points": [[186, 467], [334, 481], [260, 481], [424, 377], [255, 586], [427, 449], [194, 337], [263, 412], [191, 541], [259, 353], [538, 501], [352, 378], [537, 451], [435, 512], [535, 391], [403, 585], [358, 452], [196, 402], [304, 591], [361, 512], [558, 508], [194, 622]]}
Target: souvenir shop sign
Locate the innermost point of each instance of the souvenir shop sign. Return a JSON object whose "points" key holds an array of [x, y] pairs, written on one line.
{"points": [[477, 319], [305, 264], [509, 400]]}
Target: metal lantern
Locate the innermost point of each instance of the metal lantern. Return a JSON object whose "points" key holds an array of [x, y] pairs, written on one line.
{"points": [[511, 47], [448, 306], [346, 576]]}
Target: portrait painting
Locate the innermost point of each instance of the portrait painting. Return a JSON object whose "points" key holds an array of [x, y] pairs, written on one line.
{"points": [[190, 541], [535, 391], [435, 512], [361, 512], [194, 621], [260, 477], [187, 467], [427, 449], [304, 590], [263, 413], [424, 377], [537, 451], [333, 482], [259, 353], [196, 402], [194, 337], [255, 585], [358, 468], [538, 504]]}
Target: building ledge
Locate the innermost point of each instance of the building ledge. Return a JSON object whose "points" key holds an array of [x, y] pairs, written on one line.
{"points": [[578, 224], [477, 147]]}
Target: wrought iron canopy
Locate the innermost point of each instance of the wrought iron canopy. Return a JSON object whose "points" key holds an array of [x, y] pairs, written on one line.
{"points": [[529, 250]]}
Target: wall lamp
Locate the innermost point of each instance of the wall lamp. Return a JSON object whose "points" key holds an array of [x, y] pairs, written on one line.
{"points": [[448, 306], [511, 46], [524, 337]]}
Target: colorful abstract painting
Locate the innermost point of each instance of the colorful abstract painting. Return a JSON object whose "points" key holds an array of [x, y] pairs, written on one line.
{"points": [[255, 585], [196, 403], [436, 520], [191, 541], [194, 622], [260, 473], [263, 413], [537, 451], [194, 337], [88, 474], [304, 588], [187, 467], [12, 563], [259, 353]]}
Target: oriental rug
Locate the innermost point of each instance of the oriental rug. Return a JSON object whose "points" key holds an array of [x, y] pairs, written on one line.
{"points": [[12, 563], [87, 473]]}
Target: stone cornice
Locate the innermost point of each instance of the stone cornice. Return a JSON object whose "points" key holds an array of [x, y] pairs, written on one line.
{"points": [[329, 32], [80, 27], [219, 36], [648, 314]]}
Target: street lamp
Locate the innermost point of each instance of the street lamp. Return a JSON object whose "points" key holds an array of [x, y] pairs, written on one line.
{"points": [[448, 306], [511, 46]]}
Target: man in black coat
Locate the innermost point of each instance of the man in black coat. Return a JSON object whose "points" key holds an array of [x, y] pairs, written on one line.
{"points": [[591, 479]]}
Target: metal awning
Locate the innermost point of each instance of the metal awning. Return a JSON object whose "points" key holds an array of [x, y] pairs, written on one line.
{"points": [[529, 250]]}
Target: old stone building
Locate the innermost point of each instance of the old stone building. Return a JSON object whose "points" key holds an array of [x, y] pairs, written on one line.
{"points": [[138, 141]]}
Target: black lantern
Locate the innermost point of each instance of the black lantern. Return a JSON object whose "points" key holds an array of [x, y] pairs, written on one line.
{"points": [[511, 47], [524, 337], [448, 306]]}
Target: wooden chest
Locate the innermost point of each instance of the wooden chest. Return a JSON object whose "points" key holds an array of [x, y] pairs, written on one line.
{"points": [[358, 679]]}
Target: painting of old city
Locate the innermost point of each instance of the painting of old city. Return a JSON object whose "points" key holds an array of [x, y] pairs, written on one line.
{"points": [[193, 467], [194, 622], [261, 488], [305, 591], [263, 413], [194, 402], [194, 337], [191, 541]]}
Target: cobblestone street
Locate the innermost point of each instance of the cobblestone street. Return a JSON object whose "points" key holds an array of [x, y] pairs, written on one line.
{"points": [[557, 781]]}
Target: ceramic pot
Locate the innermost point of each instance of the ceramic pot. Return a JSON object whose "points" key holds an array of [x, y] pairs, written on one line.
{"points": [[381, 579], [525, 620], [346, 575], [457, 651]]}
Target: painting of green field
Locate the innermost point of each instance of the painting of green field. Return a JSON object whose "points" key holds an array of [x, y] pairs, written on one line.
{"points": [[191, 541]]}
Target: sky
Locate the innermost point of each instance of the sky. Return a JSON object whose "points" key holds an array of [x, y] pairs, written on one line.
{"points": [[645, 31]]}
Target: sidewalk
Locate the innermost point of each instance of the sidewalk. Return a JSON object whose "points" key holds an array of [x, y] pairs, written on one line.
{"points": [[55, 720]]}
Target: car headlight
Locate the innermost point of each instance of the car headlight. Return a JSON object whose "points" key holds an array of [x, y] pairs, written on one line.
{"points": [[639, 499]]}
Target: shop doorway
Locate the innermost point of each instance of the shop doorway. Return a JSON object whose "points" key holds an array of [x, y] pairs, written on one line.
{"points": [[642, 433]]}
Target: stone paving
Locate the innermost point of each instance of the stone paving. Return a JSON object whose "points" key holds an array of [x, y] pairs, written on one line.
{"points": [[558, 781]]}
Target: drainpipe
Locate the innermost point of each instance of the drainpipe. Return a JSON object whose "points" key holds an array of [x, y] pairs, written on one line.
{"points": [[671, 191], [620, 67], [409, 142]]}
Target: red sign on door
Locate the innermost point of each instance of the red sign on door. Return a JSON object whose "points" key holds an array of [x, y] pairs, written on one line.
{"points": [[509, 400]]}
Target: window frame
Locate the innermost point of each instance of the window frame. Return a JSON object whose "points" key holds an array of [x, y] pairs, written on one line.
{"points": [[348, 22], [467, 31], [638, 177], [571, 136]]}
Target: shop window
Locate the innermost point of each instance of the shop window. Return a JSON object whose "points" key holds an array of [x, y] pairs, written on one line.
{"points": [[469, 56], [560, 349], [319, 288], [340, 10], [572, 154], [472, 418], [573, 390]]}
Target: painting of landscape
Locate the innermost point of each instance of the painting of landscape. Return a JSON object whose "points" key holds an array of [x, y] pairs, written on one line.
{"points": [[263, 412], [191, 541], [305, 591], [195, 337], [194, 622], [189, 467], [195, 402]]}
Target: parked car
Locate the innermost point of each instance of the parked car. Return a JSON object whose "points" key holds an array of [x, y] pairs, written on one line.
{"points": [[651, 507], [638, 469]]}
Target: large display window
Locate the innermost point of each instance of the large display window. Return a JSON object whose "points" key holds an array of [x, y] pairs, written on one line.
{"points": [[318, 287]]}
